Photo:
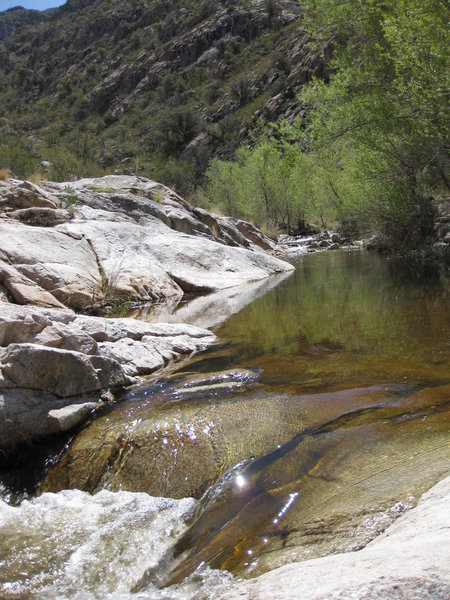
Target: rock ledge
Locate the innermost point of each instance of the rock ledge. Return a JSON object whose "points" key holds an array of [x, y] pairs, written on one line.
{"points": [[94, 242], [55, 366]]}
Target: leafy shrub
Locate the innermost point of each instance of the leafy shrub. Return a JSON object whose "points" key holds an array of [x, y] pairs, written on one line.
{"points": [[16, 156], [176, 128]]}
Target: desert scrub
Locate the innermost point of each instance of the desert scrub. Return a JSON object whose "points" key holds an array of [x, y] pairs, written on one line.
{"points": [[70, 198], [4, 174]]}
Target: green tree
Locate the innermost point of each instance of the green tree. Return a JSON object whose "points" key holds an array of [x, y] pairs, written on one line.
{"points": [[386, 101], [177, 128]]}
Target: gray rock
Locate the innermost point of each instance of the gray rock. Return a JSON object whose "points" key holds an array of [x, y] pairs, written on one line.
{"points": [[70, 416], [336, 238], [144, 357], [208, 56], [440, 248], [253, 234], [52, 262], [125, 238], [23, 290], [61, 336], [121, 238], [27, 415], [43, 217], [4, 295], [24, 194], [63, 373], [50, 359]]}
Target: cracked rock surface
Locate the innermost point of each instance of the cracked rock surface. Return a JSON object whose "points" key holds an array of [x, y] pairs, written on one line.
{"points": [[96, 241], [54, 364]]}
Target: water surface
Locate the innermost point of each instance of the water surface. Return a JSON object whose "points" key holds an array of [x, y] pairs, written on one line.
{"points": [[344, 319], [338, 422]]}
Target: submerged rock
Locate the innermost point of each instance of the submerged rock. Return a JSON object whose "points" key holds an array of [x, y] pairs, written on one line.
{"points": [[166, 439], [54, 365], [410, 560], [290, 477], [331, 487]]}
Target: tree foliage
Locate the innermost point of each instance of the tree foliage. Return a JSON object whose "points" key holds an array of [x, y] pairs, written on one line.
{"points": [[273, 183], [373, 145]]}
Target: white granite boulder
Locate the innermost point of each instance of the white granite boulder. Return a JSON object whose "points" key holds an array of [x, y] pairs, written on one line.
{"points": [[120, 238], [55, 366]]}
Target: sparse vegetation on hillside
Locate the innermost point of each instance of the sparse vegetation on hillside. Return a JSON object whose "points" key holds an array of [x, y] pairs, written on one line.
{"points": [[157, 88], [237, 96]]}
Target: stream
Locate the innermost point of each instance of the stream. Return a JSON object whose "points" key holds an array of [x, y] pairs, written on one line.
{"points": [[320, 416]]}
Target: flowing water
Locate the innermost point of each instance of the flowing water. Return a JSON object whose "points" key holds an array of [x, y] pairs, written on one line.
{"points": [[320, 416]]}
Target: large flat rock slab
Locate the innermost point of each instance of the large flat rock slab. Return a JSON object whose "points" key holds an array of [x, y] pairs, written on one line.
{"points": [[117, 239], [410, 560]]}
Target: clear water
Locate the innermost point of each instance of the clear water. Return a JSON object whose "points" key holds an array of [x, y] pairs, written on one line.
{"points": [[348, 424], [344, 319]]}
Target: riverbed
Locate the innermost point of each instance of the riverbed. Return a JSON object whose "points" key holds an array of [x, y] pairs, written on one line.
{"points": [[320, 416]]}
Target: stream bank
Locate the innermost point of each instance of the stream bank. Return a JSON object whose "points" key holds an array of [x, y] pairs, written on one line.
{"points": [[98, 244], [332, 422]]}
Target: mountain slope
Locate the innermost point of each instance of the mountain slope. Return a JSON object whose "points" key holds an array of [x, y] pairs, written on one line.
{"points": [[146, 85]]}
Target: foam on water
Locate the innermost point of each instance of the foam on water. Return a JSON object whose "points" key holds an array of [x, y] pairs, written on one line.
{"points": [[74, 545]]}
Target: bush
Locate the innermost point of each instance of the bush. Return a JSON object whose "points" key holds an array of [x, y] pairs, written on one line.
{"points": [[241, 91], [17, 157], [176, 128]]}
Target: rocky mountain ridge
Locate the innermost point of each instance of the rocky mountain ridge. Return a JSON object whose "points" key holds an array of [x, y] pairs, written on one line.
{"points": [[128, 85]]}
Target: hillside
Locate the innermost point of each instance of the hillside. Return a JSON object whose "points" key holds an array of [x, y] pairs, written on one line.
{"points": [[146, 86]]}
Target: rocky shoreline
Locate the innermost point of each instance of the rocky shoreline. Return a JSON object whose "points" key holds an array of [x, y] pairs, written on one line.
{"points": [[91, 245], [435, 252], [318, 242], [57, 367], [96, 242]]}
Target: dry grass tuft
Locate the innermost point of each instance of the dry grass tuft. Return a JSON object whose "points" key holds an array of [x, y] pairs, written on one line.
{"points": [[38, 177], [271, 231], [4, 174]]}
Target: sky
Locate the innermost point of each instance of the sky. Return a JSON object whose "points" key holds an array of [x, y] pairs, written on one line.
{"points": [[36, 4]]}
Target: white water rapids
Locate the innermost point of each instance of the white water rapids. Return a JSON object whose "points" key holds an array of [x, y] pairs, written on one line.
{"points": [[74, 545]]}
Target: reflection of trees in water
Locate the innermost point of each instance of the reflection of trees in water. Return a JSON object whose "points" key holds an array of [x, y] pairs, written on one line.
{"points": [[349, 306], [410, 272]]}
